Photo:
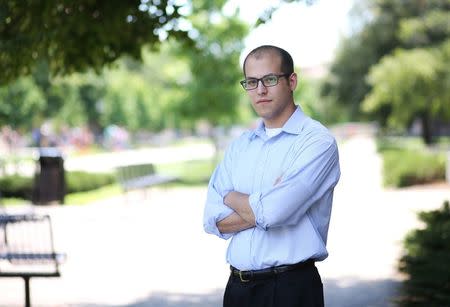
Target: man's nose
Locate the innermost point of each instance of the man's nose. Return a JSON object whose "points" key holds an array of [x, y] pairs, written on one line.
{"points": [[261, 88]]}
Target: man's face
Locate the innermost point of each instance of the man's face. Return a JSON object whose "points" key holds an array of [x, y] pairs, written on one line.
{"points": [[275, 103]]}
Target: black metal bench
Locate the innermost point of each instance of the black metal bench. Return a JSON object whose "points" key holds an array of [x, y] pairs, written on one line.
{"points": [[27, 250], [139, 176]]}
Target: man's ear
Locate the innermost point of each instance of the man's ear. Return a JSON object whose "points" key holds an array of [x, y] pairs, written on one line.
{"points": [[293, 81]]}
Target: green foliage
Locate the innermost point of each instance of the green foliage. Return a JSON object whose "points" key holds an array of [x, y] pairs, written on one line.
{"points": [[410, 90], [16, 186], [401, 143], [403, 167], [347, 85], [20, 102], [48, 42], [138, 96], [76, 181], [307, 95], [74, 36], [426, 261], [28, 101], [384, 44], [85, 34], [213, 92], [150, 96], [433, 25]]}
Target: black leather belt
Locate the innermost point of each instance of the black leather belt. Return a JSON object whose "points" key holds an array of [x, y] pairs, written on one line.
{"points": [[246, 276]]}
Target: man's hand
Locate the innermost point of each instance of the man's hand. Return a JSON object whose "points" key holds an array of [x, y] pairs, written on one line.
{"points": [[240, 204]]}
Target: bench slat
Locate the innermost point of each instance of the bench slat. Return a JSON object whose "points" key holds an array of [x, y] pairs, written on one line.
{"points": [[137, 176], [33, 258]]}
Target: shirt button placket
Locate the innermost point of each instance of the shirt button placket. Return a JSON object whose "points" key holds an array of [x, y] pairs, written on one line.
{"points": [[262, 165], [258, 170]]}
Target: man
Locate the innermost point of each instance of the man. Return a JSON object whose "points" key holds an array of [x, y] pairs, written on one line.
{"points": [[272, 193]]}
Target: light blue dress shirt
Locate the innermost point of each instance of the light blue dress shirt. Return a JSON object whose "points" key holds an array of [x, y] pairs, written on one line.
{"points": [[290, 179]]}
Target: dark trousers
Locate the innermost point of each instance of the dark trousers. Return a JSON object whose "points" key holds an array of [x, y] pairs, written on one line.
{"points": [[299, 288]]}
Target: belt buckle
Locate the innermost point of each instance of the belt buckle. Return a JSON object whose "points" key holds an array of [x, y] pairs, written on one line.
{"points": [[242, 279]]}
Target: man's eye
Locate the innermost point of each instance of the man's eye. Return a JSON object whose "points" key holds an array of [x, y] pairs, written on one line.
{"points": [[270, 79], [251, 82]]}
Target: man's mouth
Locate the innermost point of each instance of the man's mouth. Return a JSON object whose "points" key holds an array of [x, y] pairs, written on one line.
{"points": [[261, 101]]}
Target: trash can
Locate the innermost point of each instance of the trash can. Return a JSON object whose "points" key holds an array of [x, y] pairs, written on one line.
{"points": [[49, 180]]}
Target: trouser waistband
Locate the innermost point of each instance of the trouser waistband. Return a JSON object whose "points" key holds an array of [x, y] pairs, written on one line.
{"points": [[246, 276]]}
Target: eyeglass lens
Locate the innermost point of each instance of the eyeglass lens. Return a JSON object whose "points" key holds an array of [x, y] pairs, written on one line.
{"points": [[269, 80]]}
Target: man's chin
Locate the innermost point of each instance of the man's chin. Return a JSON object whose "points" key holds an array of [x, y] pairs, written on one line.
{"points": [[261, 110]]}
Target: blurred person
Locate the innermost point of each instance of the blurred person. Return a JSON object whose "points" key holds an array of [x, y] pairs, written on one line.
{"points": [[272, 193]]}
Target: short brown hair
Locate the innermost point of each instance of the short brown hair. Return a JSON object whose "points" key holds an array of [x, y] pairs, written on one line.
{"points": [[287, 64]]}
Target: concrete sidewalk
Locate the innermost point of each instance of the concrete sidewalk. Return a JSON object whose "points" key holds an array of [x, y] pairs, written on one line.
{"points": [[153, 251]]}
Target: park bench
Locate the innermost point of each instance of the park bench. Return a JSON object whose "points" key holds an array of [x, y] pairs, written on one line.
{"points": [[140, 176], [27, 250]]}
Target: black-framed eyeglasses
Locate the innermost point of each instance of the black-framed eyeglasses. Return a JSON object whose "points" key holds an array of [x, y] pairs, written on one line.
{"points": [[267, 81]]}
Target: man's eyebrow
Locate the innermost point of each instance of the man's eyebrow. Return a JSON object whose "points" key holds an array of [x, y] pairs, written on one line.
{"points": [[269, 74]]}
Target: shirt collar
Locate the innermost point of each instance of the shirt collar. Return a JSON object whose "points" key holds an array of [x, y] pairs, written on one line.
{"points": [[294, 124]]}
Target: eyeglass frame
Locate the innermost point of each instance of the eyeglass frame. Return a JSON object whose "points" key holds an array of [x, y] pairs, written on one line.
{"points": [[262, 82]]}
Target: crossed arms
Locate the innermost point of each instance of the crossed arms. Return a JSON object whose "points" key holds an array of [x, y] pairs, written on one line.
{"points": [[242, 217], [313, 172]]}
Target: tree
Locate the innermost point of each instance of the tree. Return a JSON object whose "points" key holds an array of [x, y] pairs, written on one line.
{"points": [[28, 101], [419, 71], [213, 92], [76, 35], [415, 84], [73, 36], [374, 37], [22, 101], [51, 40], [383, 26]]}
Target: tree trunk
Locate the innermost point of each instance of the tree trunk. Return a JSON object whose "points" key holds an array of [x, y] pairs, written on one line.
{"points": [[427, 134]]}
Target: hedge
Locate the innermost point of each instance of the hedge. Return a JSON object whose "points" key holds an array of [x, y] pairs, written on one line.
{"points": [[407, 167], [76, 181]]}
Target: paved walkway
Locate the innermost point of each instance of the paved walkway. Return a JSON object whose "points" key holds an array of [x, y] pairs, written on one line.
{"points": [[147, 252]]}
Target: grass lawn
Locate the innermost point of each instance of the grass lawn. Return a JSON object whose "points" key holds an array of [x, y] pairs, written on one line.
{"points": [[195, 172], [83, 198]]}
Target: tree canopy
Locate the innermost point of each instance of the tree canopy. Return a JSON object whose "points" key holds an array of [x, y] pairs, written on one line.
{"points": [[414, 84], [396, 57], [174, 64], [74, 36]]}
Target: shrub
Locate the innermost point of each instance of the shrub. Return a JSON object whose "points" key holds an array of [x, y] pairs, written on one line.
{"points": [[403, 168], [426, 261], [16, 186], [76, 181]]}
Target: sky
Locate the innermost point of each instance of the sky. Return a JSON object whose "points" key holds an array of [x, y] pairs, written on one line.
{"points": [[309, 33]]}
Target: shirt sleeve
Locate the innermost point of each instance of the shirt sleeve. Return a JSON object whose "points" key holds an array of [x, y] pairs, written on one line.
{"points": [[313, 172], [219, 186]]}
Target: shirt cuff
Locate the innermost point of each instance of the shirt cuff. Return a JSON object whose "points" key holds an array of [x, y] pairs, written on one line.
{"points": [[211, 227], [255, 203]]}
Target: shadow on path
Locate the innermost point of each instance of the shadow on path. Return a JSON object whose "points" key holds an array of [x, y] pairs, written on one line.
{"points": [[354, 293], [360, 293], [164, 299]]}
